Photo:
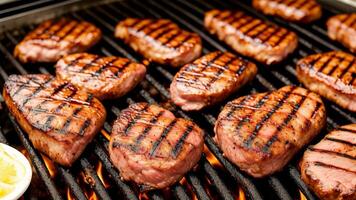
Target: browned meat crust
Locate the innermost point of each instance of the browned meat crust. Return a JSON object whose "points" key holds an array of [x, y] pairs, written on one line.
{"points": [[210, 79], [59, 120], [329, 167], [267, 43], [150, 146], [56, 38], [260, 133], [331, 75], [342, 28], [160, 40], [104, 77], [303, 11]]}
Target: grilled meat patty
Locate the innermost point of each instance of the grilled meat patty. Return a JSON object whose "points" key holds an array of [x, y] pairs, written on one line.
{"points": [[249, 36], [210, 79], [105, 77], [59, 119], [303, 11], [342, 28], [160, 40], [260, 133], [152, 147], [56, 38], [329, 167], [331, 75]]}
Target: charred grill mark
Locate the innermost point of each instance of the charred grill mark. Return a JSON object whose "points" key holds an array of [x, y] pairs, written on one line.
{"points": [[258, 33], [225, 17], [123, 67], [346, 130], [192, 82], [91, 63], [331, 152], [247, 117], [314, 61], [153, 30], [177, 148], [347, 68], [59, 88], [235, 108], [146, 25], [164, 134], [252, 28], [172, 37], [290, 116], [47, 125], [21, 87], [179, 44], [145, 132], [166, 30], [320, 164], [300, 6], [69, 120], [326, 63], [341, 141], [220, 71], [137, 117], [60, 24], [248, 141], [45, 30], [281, 38], [264, 40], [39, 89], [241, 25], [318, 105], [85, 125], [336, 66], [90, 98]]}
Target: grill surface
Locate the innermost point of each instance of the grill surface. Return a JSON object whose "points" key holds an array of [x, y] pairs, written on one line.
{"points": [[209, 180]]}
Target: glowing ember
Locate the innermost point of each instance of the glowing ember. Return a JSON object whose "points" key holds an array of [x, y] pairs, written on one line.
{"points": [[211, 158], [69, 195], [105, 134], [50, 166], [93, 196], [241, 195], [302, 197], [99, 171]]}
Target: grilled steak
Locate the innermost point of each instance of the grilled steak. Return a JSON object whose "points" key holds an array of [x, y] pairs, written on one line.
{"points": [[260, 133], [343, 29], [152, 147], [329, 167], [267, 43], [105, 77], [59, 120], [331, 75], [303, 11], [210, 79], [56, 38], [160, 40]]}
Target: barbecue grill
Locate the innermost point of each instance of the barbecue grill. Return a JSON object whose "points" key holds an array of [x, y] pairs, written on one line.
{"points": [[93, 176]]}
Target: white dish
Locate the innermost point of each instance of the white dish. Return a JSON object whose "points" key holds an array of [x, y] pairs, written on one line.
{"points": [[22, 184]]}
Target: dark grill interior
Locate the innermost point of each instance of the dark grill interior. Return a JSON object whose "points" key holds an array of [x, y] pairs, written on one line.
{"points": [[211, 179]]}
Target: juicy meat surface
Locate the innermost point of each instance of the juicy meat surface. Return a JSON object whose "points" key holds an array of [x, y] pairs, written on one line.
{"points": [[53, 39], [210, 79], [59, 119], [260, 133], [249, 36], [329, 167], [342, 28], [160, 40], [331, 75], [104, 77], [303, 11], [152, 147]]}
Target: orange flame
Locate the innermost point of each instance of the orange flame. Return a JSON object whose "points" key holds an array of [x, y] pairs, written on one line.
{"points": [[50, 166], [105, 134], [69, 195], [302, 197], [241, 195], [99, 171], [211, 158]]}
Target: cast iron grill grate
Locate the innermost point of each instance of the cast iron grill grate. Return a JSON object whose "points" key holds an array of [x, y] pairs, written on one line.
{"points": [[209, 180]]}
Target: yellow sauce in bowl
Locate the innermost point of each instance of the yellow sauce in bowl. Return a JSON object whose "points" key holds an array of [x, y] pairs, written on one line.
{"points": [[12, 171]]}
